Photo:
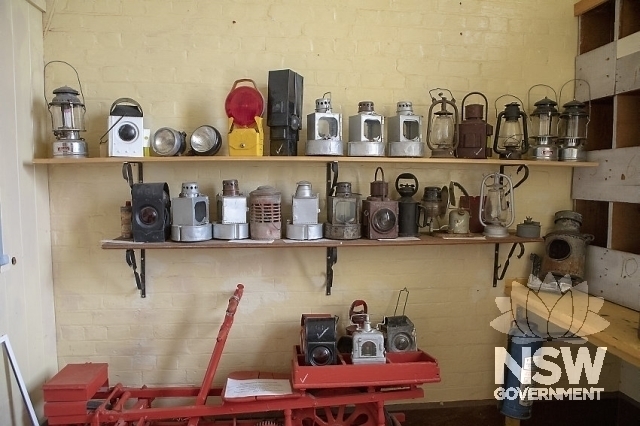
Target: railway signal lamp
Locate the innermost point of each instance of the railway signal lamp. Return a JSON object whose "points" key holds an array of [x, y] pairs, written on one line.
{"points": [[232, 213], [265, 213], [284, 112], [379, 213], [368, 345], [474, 130], [319, 339], [150, 211], [511, 136], [442, 137], [343, 213], [126, 132], [244, 106], [408, 208], [324, 130], [405, 132], [496, 211], [190, 215], [366, 130], [305, 209]]}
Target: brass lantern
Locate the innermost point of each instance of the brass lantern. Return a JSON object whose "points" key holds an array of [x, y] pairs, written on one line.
{"points": [[510, 140], [442, 135]]}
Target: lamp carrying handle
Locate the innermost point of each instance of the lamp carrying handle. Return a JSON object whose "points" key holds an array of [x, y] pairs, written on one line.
{"points": [[44, 70], [408, 176], [486, 104], [495, 104], [244, 80], [124, 100], [555, 95]]}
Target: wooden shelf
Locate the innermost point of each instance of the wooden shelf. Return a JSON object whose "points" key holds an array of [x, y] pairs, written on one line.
{"points": [[309, 159], [424, 240]]}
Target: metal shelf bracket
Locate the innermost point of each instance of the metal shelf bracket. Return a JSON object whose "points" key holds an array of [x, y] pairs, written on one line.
{"points": [[332, 259], [130, 255]]}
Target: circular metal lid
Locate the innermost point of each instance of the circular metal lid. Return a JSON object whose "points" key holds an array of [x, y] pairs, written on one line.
{"points": [[365, 106]]}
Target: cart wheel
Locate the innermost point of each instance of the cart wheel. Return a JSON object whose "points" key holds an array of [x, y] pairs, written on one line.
{"points": [[341, 415]]}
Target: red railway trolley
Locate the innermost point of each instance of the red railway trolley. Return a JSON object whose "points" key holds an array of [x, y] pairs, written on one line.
{"points": [[335, 395]]}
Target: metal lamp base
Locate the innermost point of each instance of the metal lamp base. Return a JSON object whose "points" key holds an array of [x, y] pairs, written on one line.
{"points": [[342, 232], [495, 231], [443, 153], [191, 233], [544, 152], [572, 154], [70, 148], [304, 232], [324, 147], [365, 149], [406, 149], [230, 231]]}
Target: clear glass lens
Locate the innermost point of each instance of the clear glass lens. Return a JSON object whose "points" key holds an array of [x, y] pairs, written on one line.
{"points": [[327, 128], [401, 342], [573, 127], [320, 355], [166, 142], [67, 117], [344, 212], [203, 139], [411, 129], [372, 130], [383, 220], [148, 215]]}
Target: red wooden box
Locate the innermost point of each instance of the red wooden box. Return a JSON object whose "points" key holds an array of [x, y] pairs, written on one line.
{"points": [[76, 382], [401, 368]]}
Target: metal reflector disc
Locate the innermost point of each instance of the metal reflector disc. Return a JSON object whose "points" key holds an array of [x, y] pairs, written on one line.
{"points": [[167, 142], [205, 140]]}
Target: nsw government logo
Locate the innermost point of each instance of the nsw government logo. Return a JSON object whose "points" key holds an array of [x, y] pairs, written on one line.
{"points": [[526, 370]]}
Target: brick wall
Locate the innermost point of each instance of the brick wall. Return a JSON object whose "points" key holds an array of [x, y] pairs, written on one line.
{"points": [[179, 60]]}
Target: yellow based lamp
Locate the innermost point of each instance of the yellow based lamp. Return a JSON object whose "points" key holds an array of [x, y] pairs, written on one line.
{"points": [[244, 106]]}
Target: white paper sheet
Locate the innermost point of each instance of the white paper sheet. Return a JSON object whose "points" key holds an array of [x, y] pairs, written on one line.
{"points": [[256, 387]]}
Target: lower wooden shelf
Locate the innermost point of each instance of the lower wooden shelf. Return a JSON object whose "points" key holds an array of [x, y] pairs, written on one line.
{"points": [[423, 240]]}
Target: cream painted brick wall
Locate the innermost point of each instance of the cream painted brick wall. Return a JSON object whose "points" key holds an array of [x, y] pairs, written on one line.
{"points": [[179, 59]]}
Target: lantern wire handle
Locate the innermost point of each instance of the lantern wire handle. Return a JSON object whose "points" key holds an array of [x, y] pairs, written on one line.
{"points": [[495, 104], [440, 94], [406, 298], [574, 93], [74, 70], [325, 95]]}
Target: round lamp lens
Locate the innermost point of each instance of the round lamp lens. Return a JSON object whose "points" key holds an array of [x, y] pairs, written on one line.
{"points": [[167, 142], [205, 140], [148, 215], [127, 132], [320, 355], [401, 342], [384, 220], [244, 104]]}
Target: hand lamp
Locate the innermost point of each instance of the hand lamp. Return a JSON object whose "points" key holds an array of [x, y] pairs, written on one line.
{"points": [[232, 213], [366, 130], [205, 140], [405, 132], [168, 142], [324, 129], [67, 119], [510, 141], [572, 128], [474, 131], [343, 213], [496, 210], [305, 207], [244, 106], [442, 137], [544, 128]]}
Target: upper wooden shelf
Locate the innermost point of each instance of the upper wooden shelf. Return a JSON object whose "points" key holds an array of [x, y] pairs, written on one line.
{"points": [[423, 240], [583, 6], [309, 159]]}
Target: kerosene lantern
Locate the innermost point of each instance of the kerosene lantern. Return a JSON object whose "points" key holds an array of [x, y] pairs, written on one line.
{"points": [[379, 212], [305, 207], [366, 130], [434, 204], [408, 208], [511, 138], [497, 209], [284, 112], [244, 106], [343, 213], [572, 128], [474, 131], [232, 213], [442, 136], [404, 132], [368, 345], [544, 129], [265, 213], [324, 129], [190, 215], [67, 120]]}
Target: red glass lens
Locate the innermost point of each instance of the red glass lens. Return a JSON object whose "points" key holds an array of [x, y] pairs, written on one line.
{"points": [[243, 104]]}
